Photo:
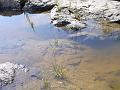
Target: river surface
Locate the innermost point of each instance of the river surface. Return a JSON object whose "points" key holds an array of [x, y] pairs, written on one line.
{"points": [[88, 59]]}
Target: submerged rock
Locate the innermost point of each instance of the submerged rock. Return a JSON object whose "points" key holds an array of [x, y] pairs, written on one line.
{"points": [[7, 72]]}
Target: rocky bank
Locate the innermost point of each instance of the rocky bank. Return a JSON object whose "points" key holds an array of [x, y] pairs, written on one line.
{"points": [[41, 5], [72, 14], [75, 13]]}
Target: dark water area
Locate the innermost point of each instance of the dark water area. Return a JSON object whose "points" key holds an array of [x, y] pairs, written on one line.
{"points": [[90, 56]]}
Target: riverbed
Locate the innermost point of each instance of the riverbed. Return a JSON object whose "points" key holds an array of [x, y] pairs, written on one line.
{"points": [[88, 59]]}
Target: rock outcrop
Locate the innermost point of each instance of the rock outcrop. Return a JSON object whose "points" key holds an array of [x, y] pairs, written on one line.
{"points": [[7, 72], [61, 17], [70, 14], [41, 5], [109, 9], [78, 11]]}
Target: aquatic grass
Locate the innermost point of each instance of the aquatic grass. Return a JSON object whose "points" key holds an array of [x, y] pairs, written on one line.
{"points": [[46, 81], [55, 43], [47, 84], [59, 71], [54, 46]]}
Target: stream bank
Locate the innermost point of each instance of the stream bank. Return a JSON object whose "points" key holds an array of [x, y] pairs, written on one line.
{"points": [[69, 14]]}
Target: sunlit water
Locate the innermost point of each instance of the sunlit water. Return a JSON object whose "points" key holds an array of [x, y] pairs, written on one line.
{"points": [[90, 57]]}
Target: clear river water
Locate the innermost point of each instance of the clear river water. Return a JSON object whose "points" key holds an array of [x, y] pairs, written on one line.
{"points": [[88, 59]]}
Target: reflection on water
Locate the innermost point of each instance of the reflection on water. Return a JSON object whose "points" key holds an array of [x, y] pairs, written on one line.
{"points": [[10, 13], [89, 59], [21, 27], [29, 21], [98, 34]]}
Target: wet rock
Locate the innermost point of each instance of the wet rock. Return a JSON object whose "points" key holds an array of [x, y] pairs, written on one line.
{"points": [[76, 25], [7, 72], [108, 9], [113, 12], [60, 23], [61, 17], [78, 11], [41, 5]]}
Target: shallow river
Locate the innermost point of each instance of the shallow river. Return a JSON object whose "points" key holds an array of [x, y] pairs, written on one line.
{"points": [[88, 59]]}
